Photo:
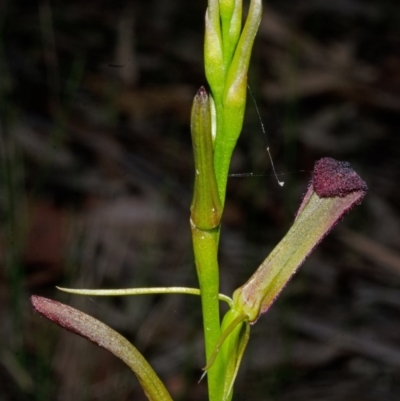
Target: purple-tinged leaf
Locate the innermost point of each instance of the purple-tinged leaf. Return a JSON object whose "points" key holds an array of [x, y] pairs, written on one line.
{"points": [[98, 333]]}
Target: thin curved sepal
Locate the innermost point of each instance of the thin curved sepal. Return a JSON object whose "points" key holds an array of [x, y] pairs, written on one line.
{"points": [[225, 334], [102, 335], [231, 26], [241, 347], [141, 291], [230, 348], [213, 52]]}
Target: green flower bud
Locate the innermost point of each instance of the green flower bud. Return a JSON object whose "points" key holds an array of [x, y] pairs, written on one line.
{"points": [[206, 207]]}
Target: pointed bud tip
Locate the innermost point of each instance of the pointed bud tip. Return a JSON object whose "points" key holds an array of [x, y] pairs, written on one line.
{"points": [[332, 178], [202, 93]]}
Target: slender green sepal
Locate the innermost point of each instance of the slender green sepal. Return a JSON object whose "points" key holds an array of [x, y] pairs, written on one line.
{"points": [[231, 22], [226, 331], [230, 348], [100, 334], [236, 360], [334, 190], [141, 291], [206, 207], [213, 53]]}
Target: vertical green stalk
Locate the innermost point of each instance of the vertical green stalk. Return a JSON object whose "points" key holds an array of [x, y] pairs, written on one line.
{"points": [[227, 51], [205, 220], [205, 246]]}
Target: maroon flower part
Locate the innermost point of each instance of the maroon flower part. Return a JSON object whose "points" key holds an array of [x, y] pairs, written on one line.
{"points": [[332, 178], [334, 190]]}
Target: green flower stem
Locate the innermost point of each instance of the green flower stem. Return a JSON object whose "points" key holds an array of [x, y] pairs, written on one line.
{"points": [[223, 154], [205, 246]]}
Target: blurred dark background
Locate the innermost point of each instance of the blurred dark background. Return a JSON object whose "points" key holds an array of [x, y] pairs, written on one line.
{"points": [[96, 177]]}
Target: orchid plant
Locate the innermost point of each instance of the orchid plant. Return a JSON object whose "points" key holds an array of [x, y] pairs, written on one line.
{"points": [[216, 122]]}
